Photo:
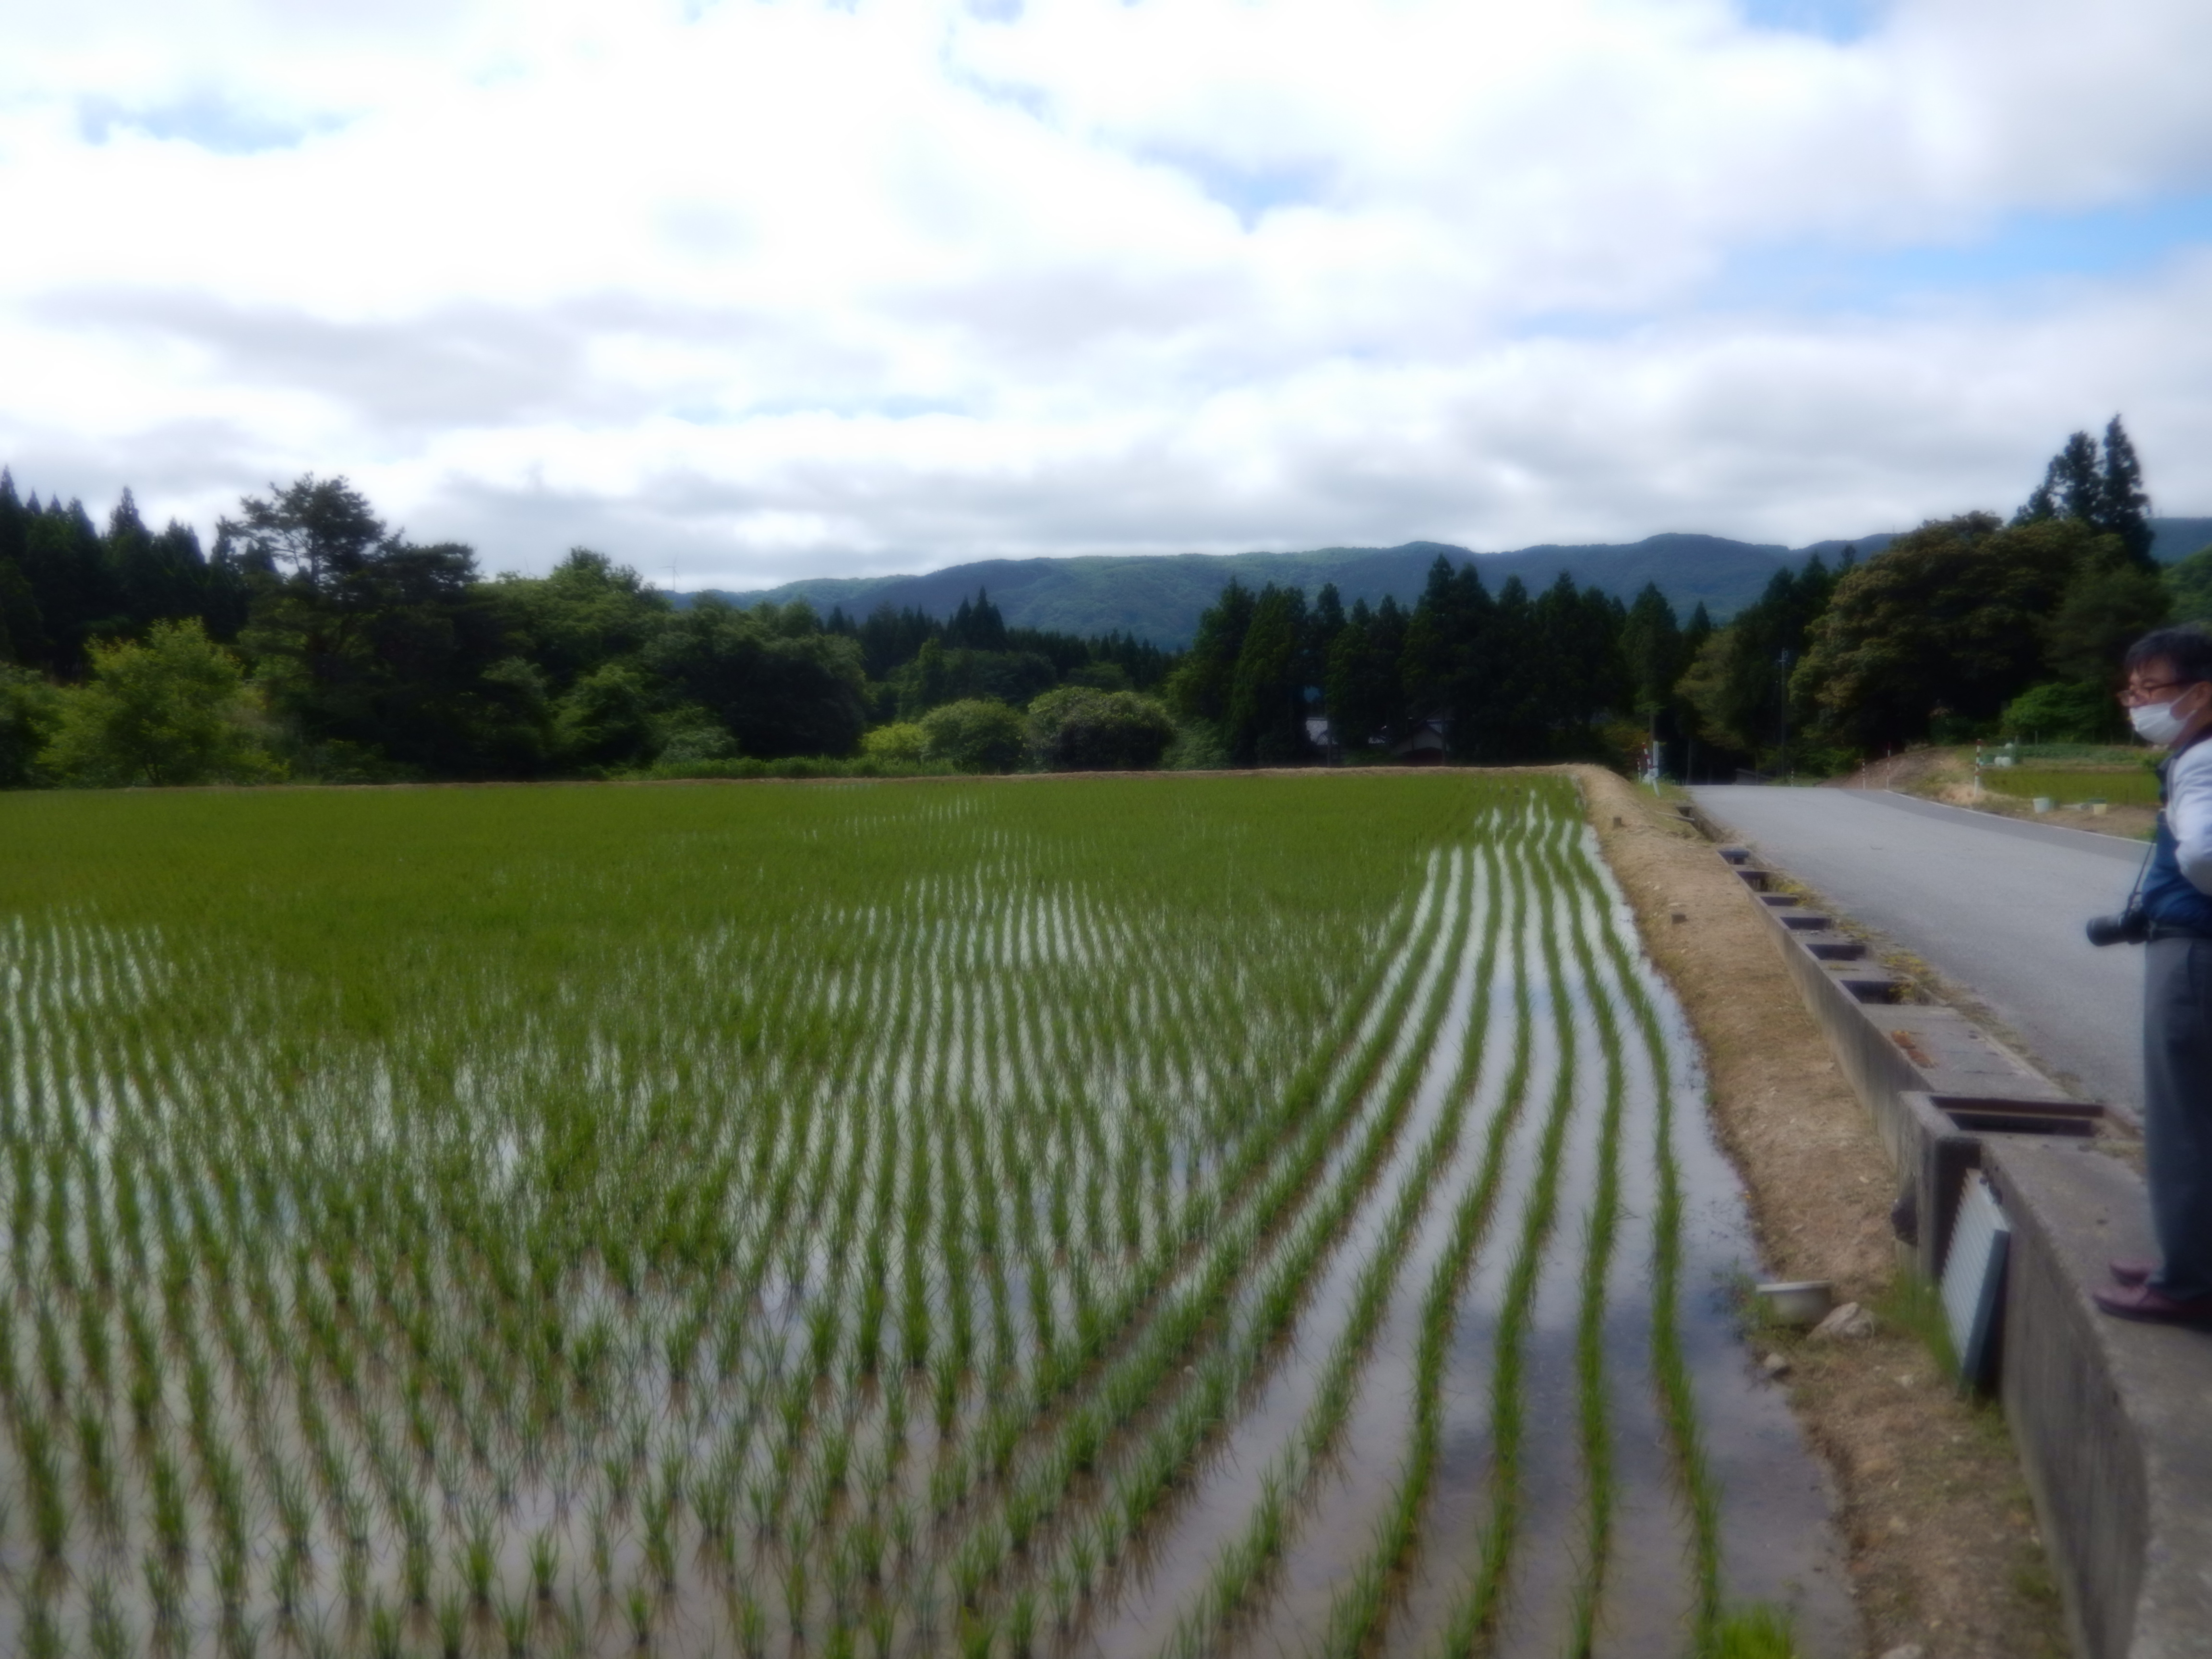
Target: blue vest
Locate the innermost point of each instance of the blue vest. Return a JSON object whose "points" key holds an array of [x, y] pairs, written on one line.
{"points": [[2168, 896]]}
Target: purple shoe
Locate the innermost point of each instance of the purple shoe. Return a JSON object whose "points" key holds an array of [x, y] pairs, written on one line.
{"points": [[2154, 1307], [2134, 1272]]}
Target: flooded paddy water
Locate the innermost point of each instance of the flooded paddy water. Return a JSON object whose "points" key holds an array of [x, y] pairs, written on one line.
{"points": [[1276, 1216]]}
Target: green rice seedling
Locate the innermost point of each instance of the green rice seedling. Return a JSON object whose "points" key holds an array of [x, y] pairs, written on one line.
{"points": [[764, 1503], [53, 1365], [514, 1625], [414, 1572], [1021, 1625], [749, 1620], [796, 1587], [946, 1397], [660, 1547], [616, 1472], [96, 1468], [452, 1623], [107, 1631], [480, 1557], [1083, 1557], [42, 1635], [165, 1594], [295, 1514], [978, 1636], [284, 1586], [49, 1508], [714, 1504], [95, 1352], [1755, 1631], [386, 1638]]}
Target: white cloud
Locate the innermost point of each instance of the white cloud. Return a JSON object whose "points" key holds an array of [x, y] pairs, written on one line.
{"points": [[784, 288]]}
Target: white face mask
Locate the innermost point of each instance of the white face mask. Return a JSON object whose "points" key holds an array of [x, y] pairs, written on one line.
{"points": [[2156, 722]]}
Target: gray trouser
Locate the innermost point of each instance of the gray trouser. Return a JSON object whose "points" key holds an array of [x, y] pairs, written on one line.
{"points": [[2178, 1110]]}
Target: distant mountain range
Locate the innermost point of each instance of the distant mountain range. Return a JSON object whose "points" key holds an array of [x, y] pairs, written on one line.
{"points": [[1159, 596]]}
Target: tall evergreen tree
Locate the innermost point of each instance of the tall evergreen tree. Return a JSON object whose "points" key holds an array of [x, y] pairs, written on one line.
{"points": [[1365, 700], [1651, 640], [2097, 486], [1202, 688], [2122, 508], [1266, 720], [66, 568], [22, 628], [1325, 620], [157, 578]]}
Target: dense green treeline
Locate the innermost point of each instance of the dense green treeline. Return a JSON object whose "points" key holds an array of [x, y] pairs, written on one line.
{"points": [[313, 642], [1491, 678], [1968, 627], [316, 643]]}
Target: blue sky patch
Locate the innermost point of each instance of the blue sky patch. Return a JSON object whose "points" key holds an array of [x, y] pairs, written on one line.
{"points": [[210, 122], [1248, 193], [1840, 21], [2020, 249]]}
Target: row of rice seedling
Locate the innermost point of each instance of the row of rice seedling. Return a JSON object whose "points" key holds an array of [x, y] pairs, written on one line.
{"points": [[1569, 935], [1240, 1569], [847, 1219], [1175, 1408], [410, 1265]]}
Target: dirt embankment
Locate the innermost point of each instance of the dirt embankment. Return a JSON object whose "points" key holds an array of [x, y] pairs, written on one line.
{"points": [[1943, 1548]]}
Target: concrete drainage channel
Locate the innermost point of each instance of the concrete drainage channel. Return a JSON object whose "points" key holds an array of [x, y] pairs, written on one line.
{"points": [[2113, 1421]]}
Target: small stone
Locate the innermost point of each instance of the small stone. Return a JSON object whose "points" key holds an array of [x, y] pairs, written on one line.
{"points": [[1775, 1366], [1679, 916], [1850, 1322], [1910, 1650]]}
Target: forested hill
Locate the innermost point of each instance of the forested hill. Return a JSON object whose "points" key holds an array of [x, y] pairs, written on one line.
{"points": [[1160, 598]]}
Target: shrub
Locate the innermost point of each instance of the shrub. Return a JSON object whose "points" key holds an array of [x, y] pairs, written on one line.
{"points": [[976, 735], [175, 709], [2062, 711], [28, 710], [1198, 747], [1079, 729], [904, 744], [689, 744]]}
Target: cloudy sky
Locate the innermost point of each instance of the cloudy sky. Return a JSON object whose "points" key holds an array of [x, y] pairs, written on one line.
{"points": [[752, 289]]}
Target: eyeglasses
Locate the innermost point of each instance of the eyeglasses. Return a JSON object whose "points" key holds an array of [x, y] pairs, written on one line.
{"points": [[2133, 696]]}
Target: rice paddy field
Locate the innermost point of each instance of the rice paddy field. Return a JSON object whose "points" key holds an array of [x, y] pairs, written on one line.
{"points": [[1082, 1216], [2134, 786]]}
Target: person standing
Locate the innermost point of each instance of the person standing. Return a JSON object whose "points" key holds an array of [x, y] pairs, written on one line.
{"points": [[2168, 698]]}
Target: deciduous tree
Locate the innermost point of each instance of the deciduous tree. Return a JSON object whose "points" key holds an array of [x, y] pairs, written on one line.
{"points": [[174, 709]]}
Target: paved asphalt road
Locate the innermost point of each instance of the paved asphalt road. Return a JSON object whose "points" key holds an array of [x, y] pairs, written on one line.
{"points": [[1994, 904]]}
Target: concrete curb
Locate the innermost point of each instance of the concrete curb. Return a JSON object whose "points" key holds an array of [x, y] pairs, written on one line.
{"points": [[2113, 1421]]}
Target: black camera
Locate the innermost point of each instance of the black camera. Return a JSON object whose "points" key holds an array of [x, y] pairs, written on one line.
{"points": [[2128, 927]]}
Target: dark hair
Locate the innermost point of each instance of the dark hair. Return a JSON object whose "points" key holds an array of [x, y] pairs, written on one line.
{"points": [[2186, 652]]}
